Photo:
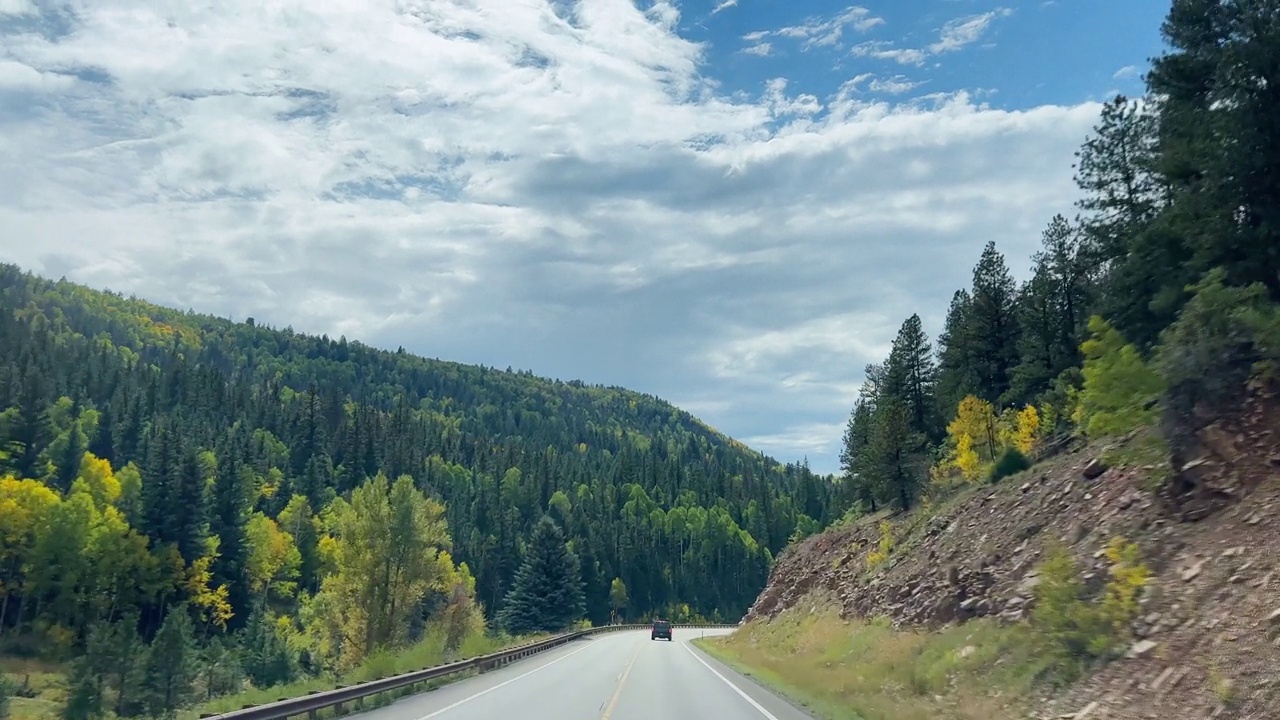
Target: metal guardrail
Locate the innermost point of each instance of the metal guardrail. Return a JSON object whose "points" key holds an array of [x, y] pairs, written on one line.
{"points": [[340, 696]]}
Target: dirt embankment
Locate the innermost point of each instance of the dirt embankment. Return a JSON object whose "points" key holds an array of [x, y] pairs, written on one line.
{"points": [[1207, 642]]}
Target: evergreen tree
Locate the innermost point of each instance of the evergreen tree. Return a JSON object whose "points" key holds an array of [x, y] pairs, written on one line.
{"points": [[1117, 174], [265, 657], [1219, 142], [1051, 311], [991, 327], [957, 377], [898, 452], [84, 690], [128, 666], [171, 666], [547, 594], [855, 457], [74, 445], [910, 376], [30, 428], [229, 506]]}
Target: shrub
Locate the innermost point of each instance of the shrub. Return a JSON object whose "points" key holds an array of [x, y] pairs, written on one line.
{"points": [[5, 692], [1011, 462], [883, 548], [1129, 576], [1076, 629], [1223, 337], [1119, 389]]}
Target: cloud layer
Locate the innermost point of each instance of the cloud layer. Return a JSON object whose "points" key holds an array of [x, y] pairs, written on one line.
{"points": [[535, 183]]}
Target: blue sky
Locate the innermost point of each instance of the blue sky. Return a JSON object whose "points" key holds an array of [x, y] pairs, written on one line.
{"points": [[1021, 54], [730, 208]]}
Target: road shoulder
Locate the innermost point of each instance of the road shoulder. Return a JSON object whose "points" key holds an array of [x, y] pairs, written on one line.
{"points": [[762, 687]]}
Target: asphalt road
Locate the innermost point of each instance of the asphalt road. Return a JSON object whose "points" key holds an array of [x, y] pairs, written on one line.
{"points": [[612, 676]]}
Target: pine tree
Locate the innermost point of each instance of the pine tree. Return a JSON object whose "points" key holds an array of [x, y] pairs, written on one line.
{"points": [[1124, 195], [991, 325], [84, 691], [898, 452], [1051, 311], [547, 594], [264, 656], [68, 462], [854, 457], [128, 666], [956, 375], [31, 430], [1219, 141], [171, 666], [229, 505], [910, 375], [1116, 171]]}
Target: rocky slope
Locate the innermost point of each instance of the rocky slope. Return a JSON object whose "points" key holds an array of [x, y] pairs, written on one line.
{"points": [[1207, 643]]}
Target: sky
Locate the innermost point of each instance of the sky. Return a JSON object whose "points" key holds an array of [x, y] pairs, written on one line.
{"points": [[730, 204]]}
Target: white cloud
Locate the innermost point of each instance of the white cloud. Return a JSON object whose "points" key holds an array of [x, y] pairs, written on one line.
{"points": [[760, 49], [1128, 72], [18, 76], [955, 35], [808, 439], [776, 99], [965, 31], [666, 13], [882, 50], [724, 6], [16, 7], [822, 31], [553, 189], [895, 85]]}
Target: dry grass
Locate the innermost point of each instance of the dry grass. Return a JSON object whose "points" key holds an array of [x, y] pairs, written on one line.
{"points": [[846, 670], [41, 681]]}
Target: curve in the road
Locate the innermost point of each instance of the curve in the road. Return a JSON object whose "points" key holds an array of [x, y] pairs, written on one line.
{"points": [[616, 676]]}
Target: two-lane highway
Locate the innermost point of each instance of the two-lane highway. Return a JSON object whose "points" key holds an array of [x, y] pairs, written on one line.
{"points": [[613, 676]]}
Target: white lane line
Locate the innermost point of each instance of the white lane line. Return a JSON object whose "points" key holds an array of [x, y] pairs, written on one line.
{"points": [[726, 681], [507, 682]]}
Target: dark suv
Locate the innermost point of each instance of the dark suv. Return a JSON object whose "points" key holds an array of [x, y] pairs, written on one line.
{"points": [[661, 629]]}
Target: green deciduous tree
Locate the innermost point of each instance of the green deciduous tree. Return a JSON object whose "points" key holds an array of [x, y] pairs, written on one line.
{"points": [[617, 597], [387, 541]]}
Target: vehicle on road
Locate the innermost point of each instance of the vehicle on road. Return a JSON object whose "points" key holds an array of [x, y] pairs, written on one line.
{"points": [[661, 629]]}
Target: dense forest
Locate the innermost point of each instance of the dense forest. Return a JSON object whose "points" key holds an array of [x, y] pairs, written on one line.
{"points": [[173, 480], [1155, 304]]}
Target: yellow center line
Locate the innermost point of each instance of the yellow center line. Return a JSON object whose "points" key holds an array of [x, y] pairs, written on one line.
{"points": [[622, 680]]}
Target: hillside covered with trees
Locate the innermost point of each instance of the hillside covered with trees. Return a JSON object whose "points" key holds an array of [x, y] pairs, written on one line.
{"points": [[1157, 301], [1131, 571], [171, 481]]}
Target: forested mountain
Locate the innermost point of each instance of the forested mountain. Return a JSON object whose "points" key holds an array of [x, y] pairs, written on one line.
{"points": [[228, 465], [1157, 299]]}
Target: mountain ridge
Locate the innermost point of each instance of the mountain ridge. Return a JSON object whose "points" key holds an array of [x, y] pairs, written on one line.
{"points": [[191, 326], [313, 417]]}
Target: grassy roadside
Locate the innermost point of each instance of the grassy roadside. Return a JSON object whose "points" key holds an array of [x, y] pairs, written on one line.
{"points": [[37, 688], [44, 693], [427, 653], [843, 670]]}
